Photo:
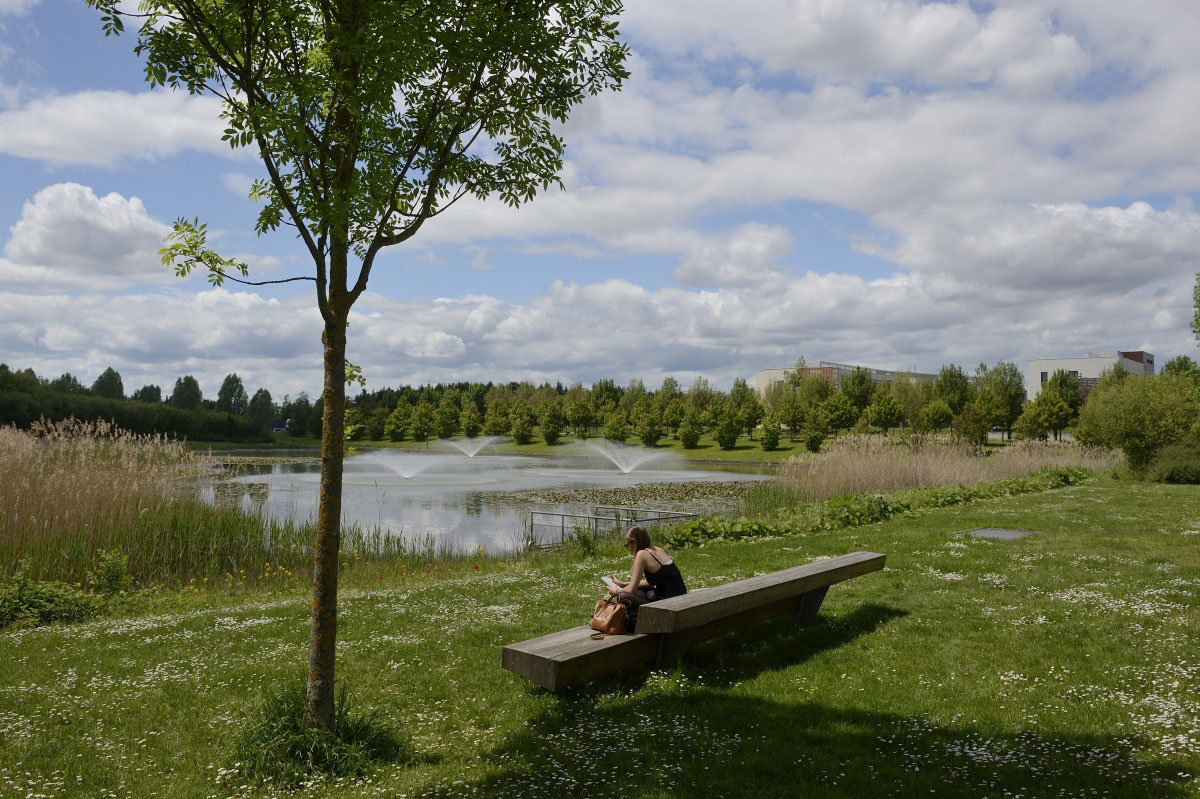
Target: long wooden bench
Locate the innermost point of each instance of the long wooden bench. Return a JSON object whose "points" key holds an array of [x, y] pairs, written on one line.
{"points": [[666, 628]]}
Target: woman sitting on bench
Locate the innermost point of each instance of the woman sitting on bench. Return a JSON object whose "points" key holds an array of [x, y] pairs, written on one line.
{"points": [[653, 576]]}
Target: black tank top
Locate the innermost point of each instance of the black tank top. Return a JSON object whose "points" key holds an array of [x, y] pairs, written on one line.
{"points": [[667, 581]]}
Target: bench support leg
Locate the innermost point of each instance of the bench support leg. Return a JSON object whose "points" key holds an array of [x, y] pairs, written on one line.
{"points": [[810, 603], [671, 647]]}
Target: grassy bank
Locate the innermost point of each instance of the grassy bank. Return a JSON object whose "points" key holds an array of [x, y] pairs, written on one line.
{"points": [[1062, 664]]}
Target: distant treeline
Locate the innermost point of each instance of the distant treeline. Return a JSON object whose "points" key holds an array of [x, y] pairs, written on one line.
{"points": [[25, 398], [806, 403]]}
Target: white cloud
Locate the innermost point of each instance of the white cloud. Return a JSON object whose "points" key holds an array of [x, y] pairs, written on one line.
{"points": [[104, 127], [16, 6], [91, 240], [746, 256], [947, 44]]}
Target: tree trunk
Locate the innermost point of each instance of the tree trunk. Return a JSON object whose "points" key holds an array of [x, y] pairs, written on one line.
{"points": [[329, 516]]}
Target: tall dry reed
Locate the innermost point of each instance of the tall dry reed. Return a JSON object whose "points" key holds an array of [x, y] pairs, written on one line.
{"points": [[71, 489], [870, 464]]}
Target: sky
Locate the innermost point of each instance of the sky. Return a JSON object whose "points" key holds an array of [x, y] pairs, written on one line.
{"points": [[889, 183]]}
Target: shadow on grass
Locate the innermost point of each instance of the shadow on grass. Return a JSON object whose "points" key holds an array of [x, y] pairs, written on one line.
{"points": [[695, 733]]}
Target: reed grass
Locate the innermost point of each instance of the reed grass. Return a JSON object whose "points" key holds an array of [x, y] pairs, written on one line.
{"points": [[71, 490], [876, 464]]}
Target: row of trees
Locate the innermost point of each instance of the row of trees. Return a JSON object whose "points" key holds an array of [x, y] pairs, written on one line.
{"points": [[1136, 414], [25, 398], [259, 411]]}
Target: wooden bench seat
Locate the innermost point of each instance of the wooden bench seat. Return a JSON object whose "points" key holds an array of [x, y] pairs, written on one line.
{"points": [[666, 628]]}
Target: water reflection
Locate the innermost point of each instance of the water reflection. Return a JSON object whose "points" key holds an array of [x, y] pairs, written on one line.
{"points": [[452, 499]]}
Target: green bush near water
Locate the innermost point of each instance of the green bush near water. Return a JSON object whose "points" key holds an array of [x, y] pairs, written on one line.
{"points": [[853, 510], [34, 602]]}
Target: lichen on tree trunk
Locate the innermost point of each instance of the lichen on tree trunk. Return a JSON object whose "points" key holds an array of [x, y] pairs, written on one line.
{"points": [[328, 541]]}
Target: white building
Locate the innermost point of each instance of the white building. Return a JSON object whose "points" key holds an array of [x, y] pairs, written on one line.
{"points": [[1086, 370], [833, 372]]}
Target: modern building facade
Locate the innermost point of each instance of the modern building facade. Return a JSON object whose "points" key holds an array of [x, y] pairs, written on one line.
{"points": [[1086, 370], [833, 372]]}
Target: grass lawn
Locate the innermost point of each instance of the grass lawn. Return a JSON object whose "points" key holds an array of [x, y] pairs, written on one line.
{"points": [[1063, 664]]}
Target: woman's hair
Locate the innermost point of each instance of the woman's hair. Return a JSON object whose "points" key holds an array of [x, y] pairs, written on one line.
{"points": [[638, 535]]}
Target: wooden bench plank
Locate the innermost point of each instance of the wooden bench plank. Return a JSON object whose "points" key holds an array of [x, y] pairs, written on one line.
{"points": [[667, 627], [734, 599], [572, 656]]}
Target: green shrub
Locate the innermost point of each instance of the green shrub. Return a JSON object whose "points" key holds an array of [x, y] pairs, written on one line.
{"points": [[728, 430], [33, 602], [770, 433], [690, 430], [813, 439], [1177, 463], [280, 748], [110, 572], [852, 510]]}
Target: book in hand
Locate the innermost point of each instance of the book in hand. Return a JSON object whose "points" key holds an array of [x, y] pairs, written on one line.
{"points": [[611, 584]]}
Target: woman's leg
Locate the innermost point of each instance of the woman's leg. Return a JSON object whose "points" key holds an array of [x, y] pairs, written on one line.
{"points": [[632, 600]]}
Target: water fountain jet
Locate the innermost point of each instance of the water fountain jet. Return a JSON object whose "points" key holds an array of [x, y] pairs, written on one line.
{"points": [[624, 457], [471, 446]]}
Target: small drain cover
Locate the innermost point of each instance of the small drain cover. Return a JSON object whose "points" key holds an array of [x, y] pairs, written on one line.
{"points": [[996, 532]]}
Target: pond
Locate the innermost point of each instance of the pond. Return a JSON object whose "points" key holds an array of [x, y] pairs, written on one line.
{"points": [[464, 503]]}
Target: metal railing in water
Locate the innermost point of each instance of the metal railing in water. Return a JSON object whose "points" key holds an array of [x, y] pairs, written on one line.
{"points": [[548, 529]]}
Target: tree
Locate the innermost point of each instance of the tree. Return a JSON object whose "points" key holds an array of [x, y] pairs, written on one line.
{"points": [[615, 426], [446, 417], [673, 414], [936, 415], [377, 423], [552, 421], [992, 407], [496, 421], [1196, 306], [522, 421], [745, 404], [1180, 365], [469, 420], [770, 432], [971, 425], [1008, 384], [186, 393], [885, 412], [67, 383], [689, 429], [909, 394], [858, 388], [108, 385], [1054, 412], [605, 394], [953, 387], [296, 412], [1138, 415], [422, 423], [729, 426], [647, 422], [579, 415], [231, 397], [1031, 425], [398, 421], [260, 411], [371, 118], [1066, 388], [839, 411], [147, 393]]}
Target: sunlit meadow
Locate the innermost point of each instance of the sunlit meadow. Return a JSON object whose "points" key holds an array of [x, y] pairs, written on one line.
{"points": [[1061, 664]]}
